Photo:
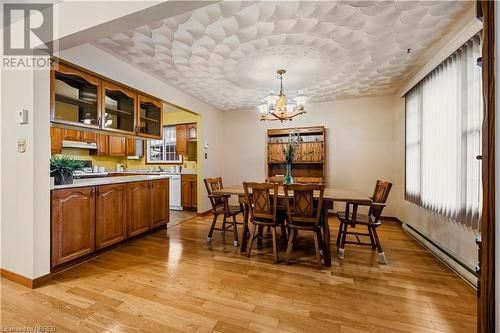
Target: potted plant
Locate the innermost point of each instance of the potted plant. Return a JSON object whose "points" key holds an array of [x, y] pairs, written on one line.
{"points": [[289, 152], [62, 168]]}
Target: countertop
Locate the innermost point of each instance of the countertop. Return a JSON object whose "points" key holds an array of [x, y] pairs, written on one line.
{"points": [[108, 180]]}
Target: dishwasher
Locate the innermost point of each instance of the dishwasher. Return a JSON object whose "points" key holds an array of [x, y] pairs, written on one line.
{"points": [[175, 190]]}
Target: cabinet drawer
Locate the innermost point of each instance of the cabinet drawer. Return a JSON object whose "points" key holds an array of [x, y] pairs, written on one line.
{"points": [[188, 178]]}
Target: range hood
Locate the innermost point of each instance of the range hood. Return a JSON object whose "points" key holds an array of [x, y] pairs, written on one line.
{"points": [[78, 144]]}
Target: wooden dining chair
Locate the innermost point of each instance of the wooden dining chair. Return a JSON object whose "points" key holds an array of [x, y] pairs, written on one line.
{"points": [[220, 206], [263, 205], [372, 221], [304, 213]]}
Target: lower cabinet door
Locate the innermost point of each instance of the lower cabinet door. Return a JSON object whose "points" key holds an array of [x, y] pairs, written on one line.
{"points": [[72, 224], [138, 208], [111, 214], [186, 194], [159, 202]]}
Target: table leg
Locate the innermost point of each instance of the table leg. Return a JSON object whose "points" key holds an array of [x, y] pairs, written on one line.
{"points": [[326, 239], [246, 233]]}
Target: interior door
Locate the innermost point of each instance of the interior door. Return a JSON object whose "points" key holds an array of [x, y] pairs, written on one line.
{"points": [[111, 221], [138, 208]]}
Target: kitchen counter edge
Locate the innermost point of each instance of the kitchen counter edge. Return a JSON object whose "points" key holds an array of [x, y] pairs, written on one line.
{"points": [[108, 181]]}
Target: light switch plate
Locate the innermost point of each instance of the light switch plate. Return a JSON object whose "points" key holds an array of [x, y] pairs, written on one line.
{"points": [[22, 116], [21, 145]]}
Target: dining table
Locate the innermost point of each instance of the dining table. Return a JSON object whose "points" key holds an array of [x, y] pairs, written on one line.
{"points": [[331, 195]]}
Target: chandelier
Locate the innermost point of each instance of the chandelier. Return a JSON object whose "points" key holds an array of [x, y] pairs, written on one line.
{"points": [[276, 107]]}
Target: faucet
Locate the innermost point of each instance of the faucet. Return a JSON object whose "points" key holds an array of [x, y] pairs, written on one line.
{"points": [[160, 169]]}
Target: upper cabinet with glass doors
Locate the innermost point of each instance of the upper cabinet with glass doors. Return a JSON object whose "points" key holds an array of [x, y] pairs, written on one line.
{"points": [[76, 97], [119, 109], [84, 100], [149, 116]]}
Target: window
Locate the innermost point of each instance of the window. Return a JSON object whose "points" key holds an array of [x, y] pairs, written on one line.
{"points": [[443, 138], [163, 151]]}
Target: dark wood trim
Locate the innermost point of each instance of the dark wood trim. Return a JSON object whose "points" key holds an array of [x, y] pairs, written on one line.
{"points": [[486, 283]]}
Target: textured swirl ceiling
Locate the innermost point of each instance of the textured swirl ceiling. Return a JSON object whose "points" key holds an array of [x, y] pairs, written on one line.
{"points": [[227, 53]]}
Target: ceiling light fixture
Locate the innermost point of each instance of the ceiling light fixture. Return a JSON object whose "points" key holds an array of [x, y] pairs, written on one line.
{"points": [[276, 107]]}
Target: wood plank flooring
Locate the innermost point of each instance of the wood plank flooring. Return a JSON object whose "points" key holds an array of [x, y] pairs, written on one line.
{"points": [[174, 281]]}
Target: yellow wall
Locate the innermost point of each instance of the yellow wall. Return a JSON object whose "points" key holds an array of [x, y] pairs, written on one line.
{"points": [[108, 162]]}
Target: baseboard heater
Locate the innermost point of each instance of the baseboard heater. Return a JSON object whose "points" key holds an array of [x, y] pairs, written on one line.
{"points": [[455, 264]]}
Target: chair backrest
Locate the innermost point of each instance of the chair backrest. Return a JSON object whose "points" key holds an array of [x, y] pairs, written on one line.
{"points": [[262, 203], [211, 185], [379, 199], [302, 207]]}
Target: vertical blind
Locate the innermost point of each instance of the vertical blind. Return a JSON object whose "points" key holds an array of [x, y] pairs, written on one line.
{"points": [[443, 138]]}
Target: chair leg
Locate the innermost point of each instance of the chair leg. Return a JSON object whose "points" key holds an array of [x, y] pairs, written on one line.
{"points": [[291, 235], [224, 224], [212, 227], [316, 248], [235, 232], [283, 232], [252, 238], [275, 245], [381, 255], [339, 234], [340, 253], [372, 240]]}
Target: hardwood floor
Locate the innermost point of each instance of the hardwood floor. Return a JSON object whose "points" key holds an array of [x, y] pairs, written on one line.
{"points": [[176, 282]]}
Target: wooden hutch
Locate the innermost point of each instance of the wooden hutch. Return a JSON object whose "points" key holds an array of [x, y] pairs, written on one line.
{"points": [[310, 160]]}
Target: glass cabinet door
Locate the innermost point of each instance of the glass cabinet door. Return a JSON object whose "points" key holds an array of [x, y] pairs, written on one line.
{"points": [[149, 118], [75, 97], [118, 108]]}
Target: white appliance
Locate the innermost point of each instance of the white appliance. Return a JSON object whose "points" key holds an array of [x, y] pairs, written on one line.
{"points": [[175, 191]]}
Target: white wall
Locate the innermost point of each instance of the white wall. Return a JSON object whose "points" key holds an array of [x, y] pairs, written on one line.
{"points": [[366, 142], [99, 61], [360, 143]]}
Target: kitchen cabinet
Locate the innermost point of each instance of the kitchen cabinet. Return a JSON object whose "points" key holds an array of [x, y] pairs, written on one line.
{"points": [[87, 100], [72, 223], [75, 97], [102, 145], [149, 120], [138, 208], [88, 137], [116, 145], [118, 108], [130, 146], [87, 219], [189, 191], [181, 136], [71, 135], [56, 140], [159, 202], [192, 132], [111, 218]]}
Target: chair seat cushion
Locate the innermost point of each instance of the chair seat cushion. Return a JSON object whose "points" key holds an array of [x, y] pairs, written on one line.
{"points": [[233, 210], [360, 219]]}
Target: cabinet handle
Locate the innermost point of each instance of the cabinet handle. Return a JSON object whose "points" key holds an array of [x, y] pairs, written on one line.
{"points": [[99, 121], [92, 192]]}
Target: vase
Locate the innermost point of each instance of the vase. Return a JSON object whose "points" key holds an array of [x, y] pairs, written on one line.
{"points": [[288, 179], [63, 178]]}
